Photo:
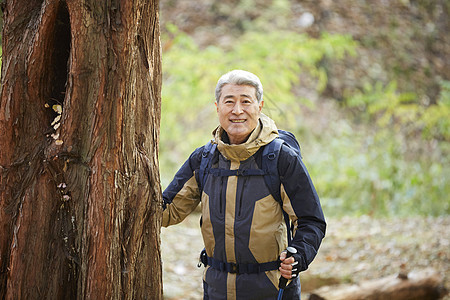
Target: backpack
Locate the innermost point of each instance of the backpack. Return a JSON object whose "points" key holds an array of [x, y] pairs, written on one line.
{"points": [[269, 168]]}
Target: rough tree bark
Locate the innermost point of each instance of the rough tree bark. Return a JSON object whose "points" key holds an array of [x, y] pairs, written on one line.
{"points": [[80, 200], [424, 284]]}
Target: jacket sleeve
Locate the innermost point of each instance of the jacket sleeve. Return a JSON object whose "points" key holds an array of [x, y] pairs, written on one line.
{"points": [[301, 202], [182, 195]]}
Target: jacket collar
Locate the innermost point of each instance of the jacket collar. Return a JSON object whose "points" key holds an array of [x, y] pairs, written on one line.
{"points": [[264, 133]]}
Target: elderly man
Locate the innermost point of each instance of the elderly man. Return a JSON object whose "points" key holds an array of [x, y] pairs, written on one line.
{"points": [[243, 225]]}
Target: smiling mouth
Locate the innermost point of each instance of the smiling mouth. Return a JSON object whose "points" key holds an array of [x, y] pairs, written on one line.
{"points": [[237, 121]]}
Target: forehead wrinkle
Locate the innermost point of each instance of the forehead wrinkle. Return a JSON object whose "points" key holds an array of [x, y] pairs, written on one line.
{"points": [[233, 96]]}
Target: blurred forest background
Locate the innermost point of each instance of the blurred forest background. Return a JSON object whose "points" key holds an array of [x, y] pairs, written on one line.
{"points": [[364, 86]]}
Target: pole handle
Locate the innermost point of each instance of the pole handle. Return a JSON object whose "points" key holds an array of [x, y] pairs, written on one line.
{"points": [[283, 281]]}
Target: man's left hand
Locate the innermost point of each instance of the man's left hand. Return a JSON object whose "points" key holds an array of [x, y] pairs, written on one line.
{"points": [[288, 266]]}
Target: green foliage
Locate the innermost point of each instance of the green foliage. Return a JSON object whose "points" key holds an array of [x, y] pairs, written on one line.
{"points": [[388, 107], [400, 161], [372, 172], [382, 160], [435, 119], [280, 59]]}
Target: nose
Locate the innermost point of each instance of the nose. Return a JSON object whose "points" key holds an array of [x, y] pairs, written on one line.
{"points": [[237, 109]]}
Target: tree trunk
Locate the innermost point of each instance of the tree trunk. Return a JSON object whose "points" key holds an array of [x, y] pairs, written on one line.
{"points": [[80, 198], [421, 285]]}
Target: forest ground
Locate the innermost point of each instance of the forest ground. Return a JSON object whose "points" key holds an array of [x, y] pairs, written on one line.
{"points": [[355, 249]]}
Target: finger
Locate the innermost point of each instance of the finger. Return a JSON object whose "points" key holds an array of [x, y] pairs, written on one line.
{"points": [[283, 256], [285, 273], [285, 266], [288, 261]]}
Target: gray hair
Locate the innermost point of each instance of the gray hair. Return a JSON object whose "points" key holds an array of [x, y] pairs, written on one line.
{"points": [[240, 77]]}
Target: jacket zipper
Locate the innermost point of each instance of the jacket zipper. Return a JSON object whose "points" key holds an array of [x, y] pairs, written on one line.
{"points": [[241, 196], [220, 196]]}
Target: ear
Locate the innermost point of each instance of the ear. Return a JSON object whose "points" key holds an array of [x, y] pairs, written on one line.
{"points": [[217, 107], [261, 104]]}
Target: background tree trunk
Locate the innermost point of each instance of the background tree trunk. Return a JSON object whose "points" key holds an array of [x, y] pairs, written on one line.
{"points": [[79, 121], [424, 284]]}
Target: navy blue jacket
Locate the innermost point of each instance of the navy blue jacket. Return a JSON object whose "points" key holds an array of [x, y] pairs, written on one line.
{"points": [[242, 223]]}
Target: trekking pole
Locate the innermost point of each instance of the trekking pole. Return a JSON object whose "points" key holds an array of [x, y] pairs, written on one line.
{"points": [[283, 281]]}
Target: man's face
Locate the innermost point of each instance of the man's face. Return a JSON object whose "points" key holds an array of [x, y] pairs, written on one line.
{"points": [[238, 111]]}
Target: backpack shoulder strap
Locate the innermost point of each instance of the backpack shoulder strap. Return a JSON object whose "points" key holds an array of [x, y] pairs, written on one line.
{"points": [[271, 152], [270, 166], [205, 163]]}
